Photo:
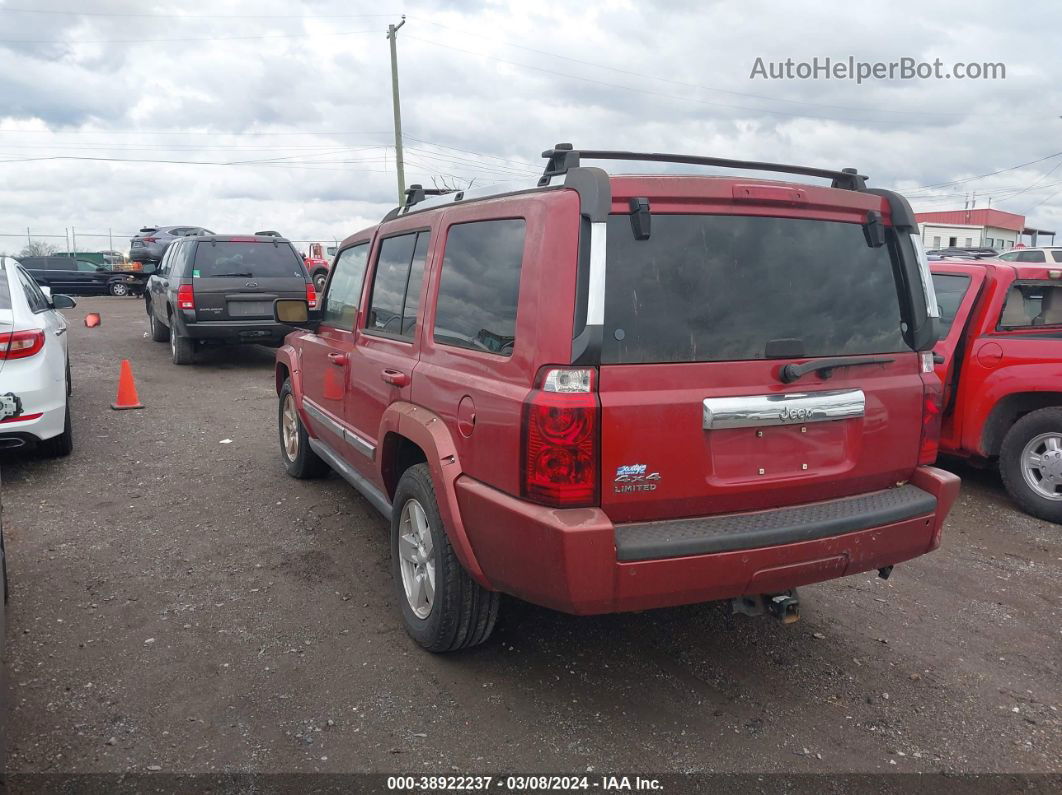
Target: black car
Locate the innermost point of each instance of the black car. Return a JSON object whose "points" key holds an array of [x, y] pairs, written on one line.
{"points": [[220, 289], [71, 276]]}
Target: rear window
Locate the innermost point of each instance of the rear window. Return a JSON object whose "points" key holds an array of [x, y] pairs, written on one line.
{"points": [[1032, 304], [950, 289], [707, 288], [246, 260]]}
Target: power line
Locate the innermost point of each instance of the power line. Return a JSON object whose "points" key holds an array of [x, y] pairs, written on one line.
{"points": [[187, 38], [68, 13], [989, 174]]}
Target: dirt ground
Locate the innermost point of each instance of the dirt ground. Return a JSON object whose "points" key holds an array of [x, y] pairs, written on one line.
{"points": [[178, 603]]}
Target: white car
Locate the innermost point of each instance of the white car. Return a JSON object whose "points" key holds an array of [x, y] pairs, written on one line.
{"points": [[1052, 255], [34, 365]]}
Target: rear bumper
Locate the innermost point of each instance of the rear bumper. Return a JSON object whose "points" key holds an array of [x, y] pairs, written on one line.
{"points": [[570, 559], [234, 331]]}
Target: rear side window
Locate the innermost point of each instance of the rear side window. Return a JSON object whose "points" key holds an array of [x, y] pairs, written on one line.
{"points": [[1032, 304], [396, 285], [707, 288], [1031, 256], [479, 286], [5, 290], [246, 260], [344, 289], [950, 290], [1057, 255]]}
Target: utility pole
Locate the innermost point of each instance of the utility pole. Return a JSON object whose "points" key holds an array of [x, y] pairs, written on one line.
{"points": [[73, 238], [392, 35]]}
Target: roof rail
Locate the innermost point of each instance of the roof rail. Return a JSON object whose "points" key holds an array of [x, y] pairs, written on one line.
{"points": [[563, 157], [417, 193]]}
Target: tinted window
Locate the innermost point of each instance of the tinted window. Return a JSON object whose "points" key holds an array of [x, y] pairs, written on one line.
{"points": [[1057, 255], [5, 290], [244, 260], [37, 301], [1010, 256], [87, 267], [479, 286], [396, 285], [720, 288], [1031, 256], [950, 289], [344, 288]]}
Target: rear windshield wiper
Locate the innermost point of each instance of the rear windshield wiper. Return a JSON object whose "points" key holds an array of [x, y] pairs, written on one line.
{"points": [[791, 372], [244, 275]]}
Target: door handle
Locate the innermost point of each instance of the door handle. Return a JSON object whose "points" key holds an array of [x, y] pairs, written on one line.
{"points": [[338, 359], [394, 377]]}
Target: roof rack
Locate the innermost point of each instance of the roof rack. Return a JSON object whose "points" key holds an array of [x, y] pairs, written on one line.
{"points": [[563, 157], [418, 193]]}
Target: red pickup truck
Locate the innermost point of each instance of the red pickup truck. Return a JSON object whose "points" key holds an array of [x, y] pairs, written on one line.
{"points": [[1000, 360]]}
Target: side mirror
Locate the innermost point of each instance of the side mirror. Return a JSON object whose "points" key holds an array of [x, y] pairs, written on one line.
{"points": [[295, 312], [61, 301]]}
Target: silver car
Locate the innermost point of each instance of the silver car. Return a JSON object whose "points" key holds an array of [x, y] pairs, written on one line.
{"points": [[150, 243]]}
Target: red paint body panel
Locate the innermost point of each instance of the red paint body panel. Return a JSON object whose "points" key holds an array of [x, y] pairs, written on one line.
{"points": [[983, 364], [566, 559]]}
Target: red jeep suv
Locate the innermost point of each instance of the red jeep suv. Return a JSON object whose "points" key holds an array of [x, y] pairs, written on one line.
{"points": [[604, 393]]}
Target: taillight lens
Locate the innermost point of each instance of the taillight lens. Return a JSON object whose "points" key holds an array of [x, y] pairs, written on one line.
{"points": [[932, 408], [311, 296], [21, 344], [561, 429], [147, 240], [185, 297]]}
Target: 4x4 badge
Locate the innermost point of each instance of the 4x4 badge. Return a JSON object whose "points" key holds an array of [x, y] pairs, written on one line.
{"points": [[633, 477]]}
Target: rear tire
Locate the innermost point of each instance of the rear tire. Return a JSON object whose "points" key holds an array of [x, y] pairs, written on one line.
{"points": [[299, 460], [182, 349], [459, 612], [159, 331], [62, 445], [118, 289], [1035, 437]]}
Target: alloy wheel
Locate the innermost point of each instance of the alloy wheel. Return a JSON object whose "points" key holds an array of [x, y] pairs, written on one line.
{"points": [[1041, 465], [416, 558], [289, 428]]}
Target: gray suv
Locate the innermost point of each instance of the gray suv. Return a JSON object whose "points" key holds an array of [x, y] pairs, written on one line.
{"points": [[149, 244]]}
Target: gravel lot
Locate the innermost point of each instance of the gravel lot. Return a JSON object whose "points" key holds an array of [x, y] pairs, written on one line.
{"points": [[180, 604]]}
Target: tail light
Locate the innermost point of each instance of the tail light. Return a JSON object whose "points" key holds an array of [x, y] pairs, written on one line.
{"points": [[932, 408], [185, 297], [148, 239], [560, 433], [21, 344], [311, 295]]}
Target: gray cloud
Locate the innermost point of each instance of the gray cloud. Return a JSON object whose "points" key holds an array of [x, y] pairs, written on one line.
{"points": [[274, 80]]}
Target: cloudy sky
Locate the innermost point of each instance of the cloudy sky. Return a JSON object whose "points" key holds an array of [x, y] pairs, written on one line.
{"points": [[277, 114]]}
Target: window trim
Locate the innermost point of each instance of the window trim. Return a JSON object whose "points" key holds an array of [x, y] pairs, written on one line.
{"points": [[390, 335], [31, 283], [438, 287]]}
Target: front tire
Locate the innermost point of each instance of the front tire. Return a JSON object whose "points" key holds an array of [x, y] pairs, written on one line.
{"points": [[443, 608], [299, 460], [1030, 463]]}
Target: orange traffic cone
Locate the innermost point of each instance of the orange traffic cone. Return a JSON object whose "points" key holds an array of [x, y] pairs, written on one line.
{"points": [[127, 397]]}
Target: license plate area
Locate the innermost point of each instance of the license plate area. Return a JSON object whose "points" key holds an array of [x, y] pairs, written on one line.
{"points": [[250, 308]]}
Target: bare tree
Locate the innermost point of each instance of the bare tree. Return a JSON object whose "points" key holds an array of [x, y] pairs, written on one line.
{"points": [[451, 183], [37, 248]]}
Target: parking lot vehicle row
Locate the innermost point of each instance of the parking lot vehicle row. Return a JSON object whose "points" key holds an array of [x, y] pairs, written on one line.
{"points": [[607, 393]]}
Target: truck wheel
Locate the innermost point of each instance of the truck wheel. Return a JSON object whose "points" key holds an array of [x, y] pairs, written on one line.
{"points": [[443, 609], [159, 332], [300, 461], [182, 349], [1030, 462], [319, 280], [118, 288]]}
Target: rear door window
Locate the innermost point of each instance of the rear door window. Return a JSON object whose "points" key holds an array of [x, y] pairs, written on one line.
{"points": [[1032, 304], [246, 260], [344, 288], [1057, 255], [479, 286], [950, 289], [1031, 256], [396, 285], [708, 288]]}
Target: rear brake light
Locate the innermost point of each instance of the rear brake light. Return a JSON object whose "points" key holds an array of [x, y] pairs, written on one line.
{"points": [[932, 408], [147, 240], [560, 432], [185, 297], [21, 344], [311, 295]]}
